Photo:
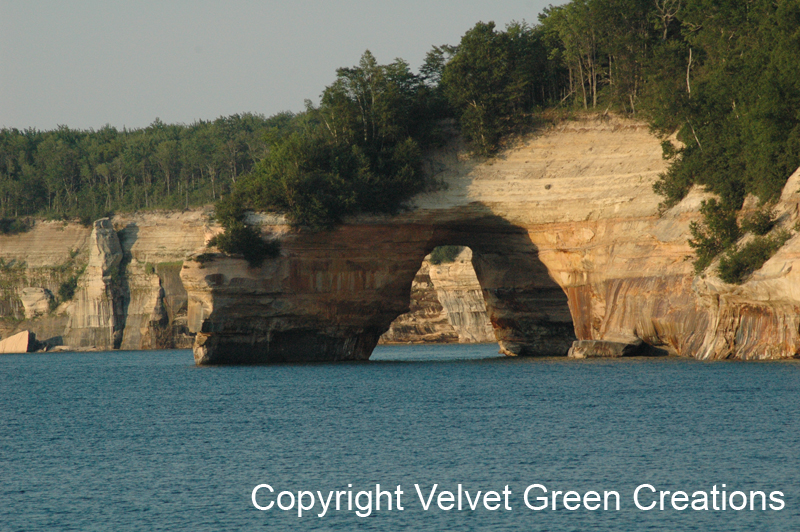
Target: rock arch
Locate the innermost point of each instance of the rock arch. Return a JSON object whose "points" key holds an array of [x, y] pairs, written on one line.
{"points": [[568, 243], [331, 295], [531, 217]]}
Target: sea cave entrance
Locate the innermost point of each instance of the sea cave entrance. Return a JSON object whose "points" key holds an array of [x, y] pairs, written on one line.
{"points": [[491, 287]]}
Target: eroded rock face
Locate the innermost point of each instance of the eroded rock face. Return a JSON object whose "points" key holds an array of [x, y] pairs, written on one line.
{"points": [[95, 311], [127, 270], [154, 298], [426, 320], [36, 301], [568, 244], [328, 297], [446, 306], [460, 295]]}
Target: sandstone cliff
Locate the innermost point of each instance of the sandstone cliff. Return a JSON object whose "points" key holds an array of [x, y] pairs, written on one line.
{"points": [[567, 245], [125, 274], [459, 292], [426, 320]]}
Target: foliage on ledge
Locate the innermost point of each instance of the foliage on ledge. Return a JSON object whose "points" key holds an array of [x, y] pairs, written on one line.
{"points": [[445, 254], [246, 241], [720, 232], [738, 263], [242, 239]]}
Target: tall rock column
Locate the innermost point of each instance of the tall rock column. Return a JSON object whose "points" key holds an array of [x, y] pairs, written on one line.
{"points": [[96, 316], [459, 292]]}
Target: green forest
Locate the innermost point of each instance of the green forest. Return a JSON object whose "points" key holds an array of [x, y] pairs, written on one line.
{"points": [[70, 174], [724, 74]]}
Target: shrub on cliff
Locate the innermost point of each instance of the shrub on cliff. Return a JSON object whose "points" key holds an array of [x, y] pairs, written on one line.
{"points": [[759, 222], [718, 232], [736, 265], [66, 290], [244, 240], [13, 226], [445, 254]]}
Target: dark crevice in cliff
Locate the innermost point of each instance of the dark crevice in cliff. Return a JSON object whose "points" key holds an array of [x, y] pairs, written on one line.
{"points": [[120, 286]]}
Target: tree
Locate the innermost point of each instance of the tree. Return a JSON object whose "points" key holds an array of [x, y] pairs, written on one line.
{"points": [[476, 80]]}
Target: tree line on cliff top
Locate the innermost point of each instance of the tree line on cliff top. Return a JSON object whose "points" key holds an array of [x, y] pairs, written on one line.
{"points": [[724, 74], [67, 173]]}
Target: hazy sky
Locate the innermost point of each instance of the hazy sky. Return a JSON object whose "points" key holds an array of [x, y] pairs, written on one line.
{"points": [[86, 63]]}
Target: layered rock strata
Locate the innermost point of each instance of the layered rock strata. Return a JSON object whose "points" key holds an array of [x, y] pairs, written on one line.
{"points": [[568, 245], [426, 320], [446, 306], [125, 277], [460, 295], [95, 312]]}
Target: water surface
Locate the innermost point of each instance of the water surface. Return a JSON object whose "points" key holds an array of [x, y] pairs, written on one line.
{"points": [[143, 441]]}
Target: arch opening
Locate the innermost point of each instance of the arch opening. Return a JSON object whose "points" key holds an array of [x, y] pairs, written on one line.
{"points": [[332, 295], [526, 312], [446, 303]]}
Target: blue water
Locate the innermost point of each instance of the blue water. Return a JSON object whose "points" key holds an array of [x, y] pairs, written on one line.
{"points": [[146, 441]]}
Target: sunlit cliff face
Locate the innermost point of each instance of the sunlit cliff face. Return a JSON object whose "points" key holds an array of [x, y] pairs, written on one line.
{"points": [[568, 244]]}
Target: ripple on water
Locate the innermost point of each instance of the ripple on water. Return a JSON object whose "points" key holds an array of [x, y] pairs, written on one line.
{"points": [[146, 441]]}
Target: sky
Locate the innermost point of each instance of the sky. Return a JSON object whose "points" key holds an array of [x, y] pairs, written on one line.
{"points": [[88, 63]]}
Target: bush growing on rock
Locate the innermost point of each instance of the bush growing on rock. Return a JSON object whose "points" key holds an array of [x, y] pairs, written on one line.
{"points": [[738, 263], [445, 254], [718, 232], [759, 222], [246, 241], [67, 289], [12, 226]]}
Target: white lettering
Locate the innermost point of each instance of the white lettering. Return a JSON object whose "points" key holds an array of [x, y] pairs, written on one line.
{"points": [[589, 497], [255, 492], [678, 497], [366, 509], [507, 494], [430, 499], [324, 502], [776, 496], [636, 497], [300, 505], [569, 497], [444, 498], [472, 505], [280, 496], [491, 496], [542, 499]]}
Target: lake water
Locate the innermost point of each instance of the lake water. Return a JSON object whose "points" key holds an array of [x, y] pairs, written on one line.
{"points": [[146, 441]]}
